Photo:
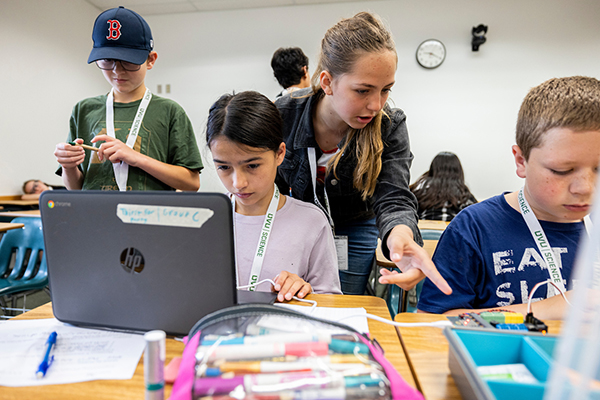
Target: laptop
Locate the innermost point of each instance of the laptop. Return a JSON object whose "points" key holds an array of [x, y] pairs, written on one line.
{"points": [[139, 261]]}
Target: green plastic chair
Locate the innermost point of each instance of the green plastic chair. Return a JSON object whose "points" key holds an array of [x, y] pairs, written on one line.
{"points": [[23, 268]]}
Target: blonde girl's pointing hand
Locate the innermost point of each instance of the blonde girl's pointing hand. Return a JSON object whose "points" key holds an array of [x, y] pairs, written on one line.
{"points": [[412, 260]]}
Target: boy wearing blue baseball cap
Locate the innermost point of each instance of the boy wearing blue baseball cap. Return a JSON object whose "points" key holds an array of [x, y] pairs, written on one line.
{"points": [[148, 140]]}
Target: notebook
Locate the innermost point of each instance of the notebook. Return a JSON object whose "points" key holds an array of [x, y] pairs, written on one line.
{"points": [[139, 260]]}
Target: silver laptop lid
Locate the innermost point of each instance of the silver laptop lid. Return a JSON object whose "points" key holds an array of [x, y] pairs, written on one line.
{"points": [[138, 260]]}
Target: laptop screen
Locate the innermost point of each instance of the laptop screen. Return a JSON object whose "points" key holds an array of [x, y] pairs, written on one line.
{"points": [[138, 260]]}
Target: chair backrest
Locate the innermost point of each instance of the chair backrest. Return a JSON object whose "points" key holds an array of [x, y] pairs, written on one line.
{"points": [[431, 234], [396, 298], [22, 251], [430, 238]]}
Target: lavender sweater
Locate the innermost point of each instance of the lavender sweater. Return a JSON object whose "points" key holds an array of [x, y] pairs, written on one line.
{"points": [[301, 242]]}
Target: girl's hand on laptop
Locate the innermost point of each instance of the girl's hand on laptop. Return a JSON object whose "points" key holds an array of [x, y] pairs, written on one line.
{"points": [[412, 260], [115, 151], [288, 285]]}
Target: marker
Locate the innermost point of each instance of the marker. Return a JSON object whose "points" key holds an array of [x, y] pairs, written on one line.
{"points": [[47, 361], [85, 146], [372, 393], [154, 364], [256, 367], [348, 347], [214, 337], [255, 330], [306, 380], [243, 352], [332, 359], [275, 338], [291, 381]]}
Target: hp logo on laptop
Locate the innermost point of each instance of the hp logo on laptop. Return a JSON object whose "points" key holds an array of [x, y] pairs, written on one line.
{"points": [[132, 260]]}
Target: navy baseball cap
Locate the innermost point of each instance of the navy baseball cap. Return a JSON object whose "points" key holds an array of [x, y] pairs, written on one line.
{"points": [[121, 34]]}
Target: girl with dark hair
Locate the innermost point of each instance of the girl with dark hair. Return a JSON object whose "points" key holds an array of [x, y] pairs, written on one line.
{"points": [[442, 191], [276, 237], [348, 152]]}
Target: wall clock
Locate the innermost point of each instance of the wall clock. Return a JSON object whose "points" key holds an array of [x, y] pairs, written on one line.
{"points": [[431, 54]]}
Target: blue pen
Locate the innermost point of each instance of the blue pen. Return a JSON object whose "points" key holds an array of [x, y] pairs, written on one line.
{"points": [[47, 361]]}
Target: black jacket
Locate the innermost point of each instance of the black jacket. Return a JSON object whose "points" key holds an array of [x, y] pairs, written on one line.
{"points": [[392, 203]]}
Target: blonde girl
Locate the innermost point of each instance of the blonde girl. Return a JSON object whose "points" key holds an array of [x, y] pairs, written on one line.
{"points": [[348, 152]]}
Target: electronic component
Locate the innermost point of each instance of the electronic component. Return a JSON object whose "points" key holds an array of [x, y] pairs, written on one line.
{"points": [[470, 320], [512, 327], [534, 324], [498, 319]]}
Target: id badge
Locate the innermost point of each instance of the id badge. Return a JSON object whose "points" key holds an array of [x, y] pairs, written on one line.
{"points": [[341, 248]]}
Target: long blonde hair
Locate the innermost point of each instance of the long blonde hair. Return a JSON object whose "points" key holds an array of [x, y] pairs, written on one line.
{"points": [[341, 47]]}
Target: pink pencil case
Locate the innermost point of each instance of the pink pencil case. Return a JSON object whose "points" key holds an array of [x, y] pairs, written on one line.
{"points": [[265, 352]]}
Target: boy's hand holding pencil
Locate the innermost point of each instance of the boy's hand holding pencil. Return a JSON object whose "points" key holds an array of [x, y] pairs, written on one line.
{"points": [[85, 146]]}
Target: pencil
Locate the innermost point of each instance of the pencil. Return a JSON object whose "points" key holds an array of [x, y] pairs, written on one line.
{"points": [[85, 146]]}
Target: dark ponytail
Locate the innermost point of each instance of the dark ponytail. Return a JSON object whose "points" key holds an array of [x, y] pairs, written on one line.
{"points": [[247, 118]]}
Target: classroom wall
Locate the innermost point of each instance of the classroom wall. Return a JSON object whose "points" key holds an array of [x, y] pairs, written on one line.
{"points": [[44, 50], [468, 105]]}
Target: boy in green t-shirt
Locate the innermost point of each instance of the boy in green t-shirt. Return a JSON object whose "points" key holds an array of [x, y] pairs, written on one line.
{"points": [[148, 140]]}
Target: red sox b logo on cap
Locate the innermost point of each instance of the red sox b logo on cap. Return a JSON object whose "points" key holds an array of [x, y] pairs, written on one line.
{"points": [[114, 29]]}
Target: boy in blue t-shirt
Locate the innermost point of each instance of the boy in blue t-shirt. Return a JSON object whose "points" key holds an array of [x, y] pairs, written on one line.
{"points": [[141, 141], [493, 253]]}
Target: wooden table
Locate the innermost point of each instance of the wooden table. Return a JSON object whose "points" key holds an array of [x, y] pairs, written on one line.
{"points": [[134, 388], [428, 245], [426, 349], [382, 261], [18, 202], [22, 213], [7, 226], [14, 203], [433, 225]]}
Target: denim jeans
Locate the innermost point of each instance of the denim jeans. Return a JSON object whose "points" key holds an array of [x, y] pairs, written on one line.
{"points": [[362, 244]]}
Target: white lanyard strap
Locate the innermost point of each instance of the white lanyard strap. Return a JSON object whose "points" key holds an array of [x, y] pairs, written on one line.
{"points": [[312, 160], [540, 238], [587, 222], [122, 169], [265, 234]]}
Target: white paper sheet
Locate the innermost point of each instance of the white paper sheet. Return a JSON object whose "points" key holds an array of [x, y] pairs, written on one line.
{"points": [[355, 317], [80, 354]]}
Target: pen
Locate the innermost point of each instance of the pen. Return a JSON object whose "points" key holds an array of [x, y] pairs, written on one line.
{"points": [[47, 360], [85, 146]]}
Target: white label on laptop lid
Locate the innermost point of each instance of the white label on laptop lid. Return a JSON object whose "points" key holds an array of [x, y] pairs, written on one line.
{"points": [[189, 217]]}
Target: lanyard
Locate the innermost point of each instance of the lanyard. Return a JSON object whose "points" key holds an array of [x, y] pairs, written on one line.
{"points": [[540, 238], [122, 169], [312, 160], [265, 234]]}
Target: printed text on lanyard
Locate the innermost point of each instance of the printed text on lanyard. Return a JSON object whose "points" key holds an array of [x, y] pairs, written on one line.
{"points": [[122, 169]]}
